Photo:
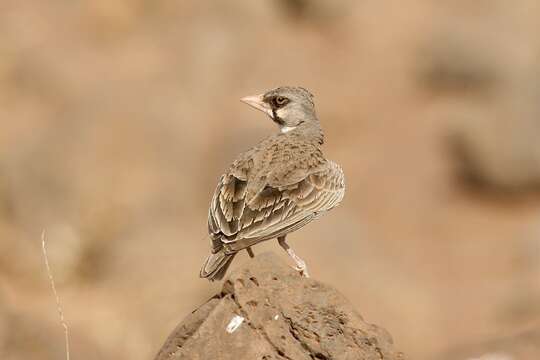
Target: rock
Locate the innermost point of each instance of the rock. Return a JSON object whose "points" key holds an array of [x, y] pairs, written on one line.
{"points": [[266, 310], [523, 346], [497, 148], [451, 63], [488, 95], [315, 11]]}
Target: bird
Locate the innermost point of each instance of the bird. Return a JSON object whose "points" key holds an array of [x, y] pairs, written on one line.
{"points": [[276, 187]]}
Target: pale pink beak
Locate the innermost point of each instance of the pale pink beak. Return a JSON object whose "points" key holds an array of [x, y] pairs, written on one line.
{"points": [[258, 103]]}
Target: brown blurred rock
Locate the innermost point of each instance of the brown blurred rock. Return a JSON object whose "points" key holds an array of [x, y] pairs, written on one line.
{"points": [[498, 148], [489, 92], [523, 346], [266, 310], [453, 65], [315, 10]]}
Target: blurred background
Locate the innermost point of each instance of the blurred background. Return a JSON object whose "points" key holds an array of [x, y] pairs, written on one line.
{"points": [[118, 116]]}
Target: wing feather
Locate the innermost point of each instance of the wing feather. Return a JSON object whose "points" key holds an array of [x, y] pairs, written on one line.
{"points": [[274, 210]]}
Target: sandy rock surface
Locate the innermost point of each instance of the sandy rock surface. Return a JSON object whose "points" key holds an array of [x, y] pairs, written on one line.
{"points": [[266, 310]]}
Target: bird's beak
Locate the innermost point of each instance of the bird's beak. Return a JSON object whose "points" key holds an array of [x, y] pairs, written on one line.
{"points": [[258, 103]]}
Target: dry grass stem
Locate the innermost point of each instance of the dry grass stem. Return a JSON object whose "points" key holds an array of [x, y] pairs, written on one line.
{"points": [[53, 287]]}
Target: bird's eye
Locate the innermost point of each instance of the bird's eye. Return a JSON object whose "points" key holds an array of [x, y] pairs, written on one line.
{"points": [[281, 100]]}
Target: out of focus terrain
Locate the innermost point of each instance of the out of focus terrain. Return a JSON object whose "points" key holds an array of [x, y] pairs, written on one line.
{"points": [[118, 116]]}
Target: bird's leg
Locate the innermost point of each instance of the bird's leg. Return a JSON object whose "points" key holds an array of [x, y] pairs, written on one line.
{"points": [[250, 252], [300, 264]]}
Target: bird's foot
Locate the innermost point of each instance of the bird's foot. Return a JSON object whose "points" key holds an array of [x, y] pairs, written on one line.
{"points": [[302, 270], [301, 266]]}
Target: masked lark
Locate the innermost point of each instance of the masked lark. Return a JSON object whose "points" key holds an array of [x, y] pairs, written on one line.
{"points": [[276, 187]]}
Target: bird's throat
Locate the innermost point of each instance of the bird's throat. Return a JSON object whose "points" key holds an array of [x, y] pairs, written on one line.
{"points": [[286, 129], [277, 119]]}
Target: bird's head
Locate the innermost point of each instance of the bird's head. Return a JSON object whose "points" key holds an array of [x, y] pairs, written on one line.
{"points": [[288, 107]]}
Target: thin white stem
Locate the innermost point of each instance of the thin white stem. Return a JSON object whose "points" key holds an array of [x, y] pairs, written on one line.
{"points": [[53, 287]]}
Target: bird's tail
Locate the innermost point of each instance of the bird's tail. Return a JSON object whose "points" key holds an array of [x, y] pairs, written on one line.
{"points": [[216, 265]]}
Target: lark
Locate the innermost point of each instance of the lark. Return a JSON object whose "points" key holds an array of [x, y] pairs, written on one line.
{"points": [[276, 187]]}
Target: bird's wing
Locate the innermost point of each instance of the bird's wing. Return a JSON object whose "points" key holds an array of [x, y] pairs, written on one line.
{"points": [[275, 210]]}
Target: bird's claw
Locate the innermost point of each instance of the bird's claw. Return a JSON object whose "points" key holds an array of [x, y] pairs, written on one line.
{"points": [[302, 269]]}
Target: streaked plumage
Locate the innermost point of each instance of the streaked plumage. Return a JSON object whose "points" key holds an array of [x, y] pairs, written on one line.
{"points": [[276, 187]]}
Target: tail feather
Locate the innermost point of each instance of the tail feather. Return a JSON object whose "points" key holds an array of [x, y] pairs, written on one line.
{"points": [[216, 265]]}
